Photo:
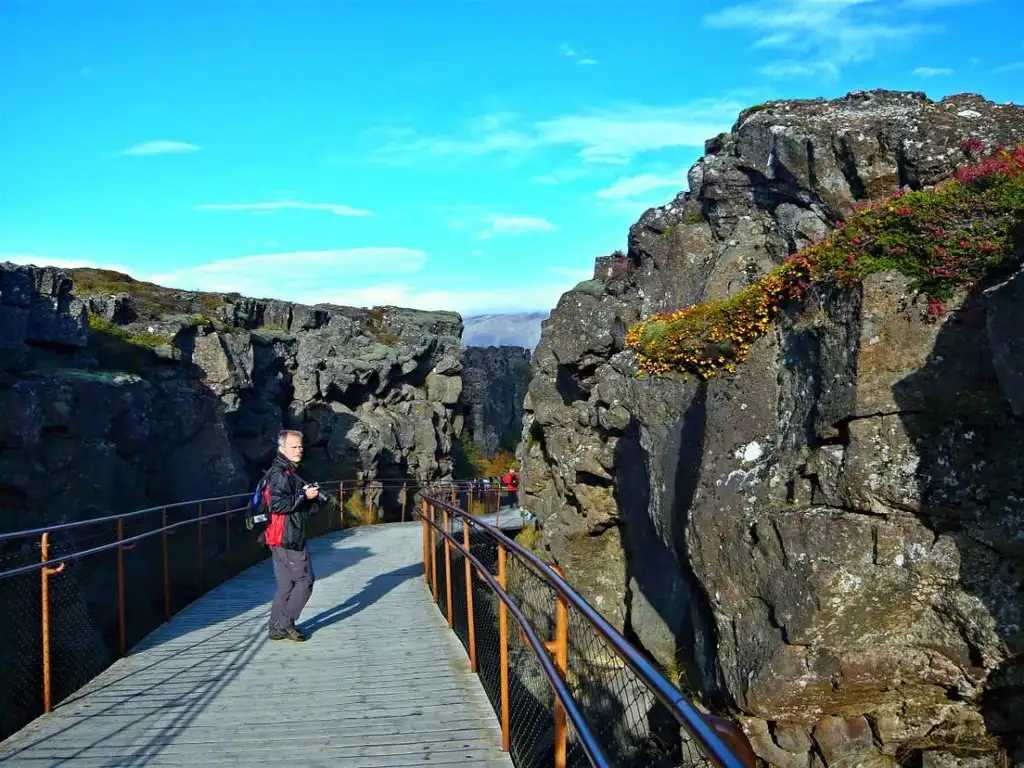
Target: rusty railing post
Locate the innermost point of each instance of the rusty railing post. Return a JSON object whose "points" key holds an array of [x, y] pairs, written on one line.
{"points": [[469, 598], [503, 650], [734, 738], [46, 573], [227, 536], [122, 629], [433, 551], [341, 505], [404, 494], [167, 569], [447, 565], [426, 541], [199, 525], [559, 649]]}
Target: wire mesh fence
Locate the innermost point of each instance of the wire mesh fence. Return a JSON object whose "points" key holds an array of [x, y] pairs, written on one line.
{"points": [[530, 698], [631, 724], [101, 604], [632, 727], [20, 643]]}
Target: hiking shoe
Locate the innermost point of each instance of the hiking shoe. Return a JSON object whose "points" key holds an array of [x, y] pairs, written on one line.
{"points": [[277, 636], [293, 634]]}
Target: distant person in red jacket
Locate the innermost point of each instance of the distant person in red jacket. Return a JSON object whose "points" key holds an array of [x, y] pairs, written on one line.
{"points": [[510, 482]]}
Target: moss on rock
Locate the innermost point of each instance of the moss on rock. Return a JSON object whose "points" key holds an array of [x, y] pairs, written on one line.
{"points": [[943, 240]]}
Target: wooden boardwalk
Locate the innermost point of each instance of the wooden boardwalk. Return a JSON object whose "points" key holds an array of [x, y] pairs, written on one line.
{"points": [[382, 681]]}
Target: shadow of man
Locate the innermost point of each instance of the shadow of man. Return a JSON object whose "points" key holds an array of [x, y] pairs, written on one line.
{"points": [[374, 590]]}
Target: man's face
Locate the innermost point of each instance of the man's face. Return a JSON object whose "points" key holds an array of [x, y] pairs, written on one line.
{"points": [[292, 448]]}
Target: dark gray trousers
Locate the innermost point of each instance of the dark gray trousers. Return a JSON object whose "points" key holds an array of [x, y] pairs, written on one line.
{"points": [[293, 572]]}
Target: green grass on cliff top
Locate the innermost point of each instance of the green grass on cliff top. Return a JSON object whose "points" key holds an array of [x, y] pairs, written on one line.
{"points": [[150, 299], [943, 240]]}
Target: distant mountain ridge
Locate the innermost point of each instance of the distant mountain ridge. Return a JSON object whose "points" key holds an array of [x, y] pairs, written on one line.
{"points": [[512, 330]]}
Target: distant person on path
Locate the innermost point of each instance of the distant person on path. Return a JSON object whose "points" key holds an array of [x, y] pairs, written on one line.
{"points": [[511, 483], [291, 501]]}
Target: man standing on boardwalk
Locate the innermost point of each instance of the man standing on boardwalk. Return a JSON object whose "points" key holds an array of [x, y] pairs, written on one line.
{"points": [[291, 500]]}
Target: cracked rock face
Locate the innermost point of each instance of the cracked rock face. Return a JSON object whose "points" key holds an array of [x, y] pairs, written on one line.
{"points": [[495, 381], [827, 542], [376, 393]]}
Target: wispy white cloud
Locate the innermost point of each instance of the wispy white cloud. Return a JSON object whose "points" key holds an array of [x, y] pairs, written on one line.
{"points": [[401, 147], [575, 275], [631, 186], [795, 69], [824, 35], [612, 135], [580, 58], [488, 223], [467, 297], [560, 175], [288, 275], [932, 71], [264, 209], [617, 136], [515, 225], [161, 148], [1011, 67], [295, 272], [939, 3]]}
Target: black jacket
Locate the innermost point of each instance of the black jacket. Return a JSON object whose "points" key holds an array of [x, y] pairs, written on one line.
{"points": [[289, 507]]}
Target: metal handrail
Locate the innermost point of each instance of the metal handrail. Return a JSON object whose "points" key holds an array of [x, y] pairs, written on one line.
{"points": [[31, 568], [561, 690], [24, 534], [671, 697], [57, 527]]}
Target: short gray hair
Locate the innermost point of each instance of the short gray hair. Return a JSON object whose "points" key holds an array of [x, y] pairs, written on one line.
{"points": [[283, 435]]}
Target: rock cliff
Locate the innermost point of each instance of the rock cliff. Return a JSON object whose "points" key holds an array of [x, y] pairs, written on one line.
{"points": [[135, 394], [825, 542], [494, 386]]}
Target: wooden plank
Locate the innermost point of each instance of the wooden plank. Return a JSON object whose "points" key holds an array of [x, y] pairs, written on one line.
{"points": [[382, 681]]}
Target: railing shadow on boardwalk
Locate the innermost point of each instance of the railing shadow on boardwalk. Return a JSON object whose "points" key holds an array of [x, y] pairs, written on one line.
{"points": [[263, 589], [243, 650], [377, 588], [81, 651], [221, 665]]}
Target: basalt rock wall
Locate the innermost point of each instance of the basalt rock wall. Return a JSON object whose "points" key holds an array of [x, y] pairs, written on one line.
{"points": [[157, 403], [495, 381], [825, 543]]}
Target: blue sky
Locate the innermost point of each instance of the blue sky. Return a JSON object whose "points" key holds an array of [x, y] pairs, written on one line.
{"points": [[445, 154]]}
